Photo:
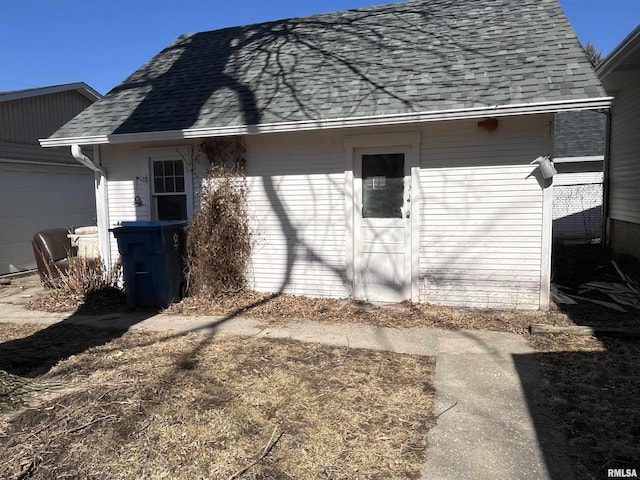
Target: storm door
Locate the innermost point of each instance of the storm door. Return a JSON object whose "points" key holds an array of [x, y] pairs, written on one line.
{"points": [[382, 250]]}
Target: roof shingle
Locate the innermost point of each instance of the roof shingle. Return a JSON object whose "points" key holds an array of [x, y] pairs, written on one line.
{"points": [[415, 56]]}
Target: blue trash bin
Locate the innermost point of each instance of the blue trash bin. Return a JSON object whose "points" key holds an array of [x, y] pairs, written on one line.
{"points": [[152, 261]]}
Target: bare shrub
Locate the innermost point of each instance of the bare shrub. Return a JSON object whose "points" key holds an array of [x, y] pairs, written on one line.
{"points": [[85, 279], [218, 242]]}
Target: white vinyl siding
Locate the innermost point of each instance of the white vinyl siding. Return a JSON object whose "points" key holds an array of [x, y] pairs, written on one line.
{"points": [[296, 197], [624, 172], [481, 222], [123, 165], [479, 216]]}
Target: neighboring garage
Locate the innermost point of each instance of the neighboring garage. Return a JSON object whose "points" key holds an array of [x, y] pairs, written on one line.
{"points": [[39, 188]]}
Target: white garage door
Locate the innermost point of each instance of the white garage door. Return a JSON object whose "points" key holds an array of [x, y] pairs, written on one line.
{"points": [[34, 198]]}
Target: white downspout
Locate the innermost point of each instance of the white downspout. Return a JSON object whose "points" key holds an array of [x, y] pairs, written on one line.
{"points": [[102, 204], [102, 209], [76, 151]]}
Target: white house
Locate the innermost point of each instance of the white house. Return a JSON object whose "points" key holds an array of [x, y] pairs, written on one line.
{"points": [[389, 149], [620, 75], [40, 188]]}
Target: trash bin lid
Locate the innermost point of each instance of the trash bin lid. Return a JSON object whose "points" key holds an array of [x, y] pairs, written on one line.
{"points": [[148, 225]]}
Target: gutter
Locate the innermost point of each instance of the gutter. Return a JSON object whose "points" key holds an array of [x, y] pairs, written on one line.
{"points": [[76, 151], [348, 122], [604, 239], [40, 163]]}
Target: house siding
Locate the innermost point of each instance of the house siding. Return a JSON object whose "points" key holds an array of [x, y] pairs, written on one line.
{"points": [[297, 210], [40, 188], [28, 119], [481, 222], [624, 175], [480, 210], [123, 164]]}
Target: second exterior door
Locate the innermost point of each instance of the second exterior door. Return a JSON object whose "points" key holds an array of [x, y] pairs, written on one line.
{"points": [[382, 236]]}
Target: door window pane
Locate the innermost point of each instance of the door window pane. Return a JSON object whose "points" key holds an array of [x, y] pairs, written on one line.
{"points": [[382, 185]]}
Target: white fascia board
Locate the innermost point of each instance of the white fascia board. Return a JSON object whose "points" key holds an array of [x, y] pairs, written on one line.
{"points": [[80, 87], [619, 53], [580, 159], [68, 141], [333, 123]]}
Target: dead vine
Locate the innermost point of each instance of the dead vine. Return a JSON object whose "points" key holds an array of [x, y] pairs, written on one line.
{"points": [[218, 243]]}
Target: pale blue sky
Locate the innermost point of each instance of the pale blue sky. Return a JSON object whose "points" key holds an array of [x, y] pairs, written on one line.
{"points": [[100, 42]]}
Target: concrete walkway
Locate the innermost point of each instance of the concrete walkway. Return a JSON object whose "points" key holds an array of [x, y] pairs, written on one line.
{"points": [[485, 383]]}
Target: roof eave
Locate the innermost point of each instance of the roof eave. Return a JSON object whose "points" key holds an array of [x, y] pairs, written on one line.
{"points": [[334, 123], [619, 53], [81, 87]]}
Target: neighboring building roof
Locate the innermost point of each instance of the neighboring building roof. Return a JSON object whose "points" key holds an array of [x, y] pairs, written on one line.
{"points": [[399, 63], [81, 87], [622, 66], [579, 134]]}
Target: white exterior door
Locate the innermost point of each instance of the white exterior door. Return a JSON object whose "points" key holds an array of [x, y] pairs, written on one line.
{"points": [[382, 224]]}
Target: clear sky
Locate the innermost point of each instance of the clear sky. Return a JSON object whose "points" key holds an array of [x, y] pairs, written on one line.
{"points": [[100, 42]]}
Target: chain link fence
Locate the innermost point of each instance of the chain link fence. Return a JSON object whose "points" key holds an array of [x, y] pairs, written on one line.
{"points": [[577, 211]]}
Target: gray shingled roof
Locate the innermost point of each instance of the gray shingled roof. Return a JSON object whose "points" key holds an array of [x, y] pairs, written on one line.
{"points": [[416, 56], [579, 134]]}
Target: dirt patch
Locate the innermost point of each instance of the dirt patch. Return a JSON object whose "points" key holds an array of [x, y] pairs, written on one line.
{"points": [[592, 387], [576, 265], [150, 405]]}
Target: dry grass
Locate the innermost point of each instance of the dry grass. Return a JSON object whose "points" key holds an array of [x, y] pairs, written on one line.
{"points": [[279, 309], [592, 386], [153, 406]]}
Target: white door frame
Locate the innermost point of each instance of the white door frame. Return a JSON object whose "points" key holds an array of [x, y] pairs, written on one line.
{"points": [[410, 143]]}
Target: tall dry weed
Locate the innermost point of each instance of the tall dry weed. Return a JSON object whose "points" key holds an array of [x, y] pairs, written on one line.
{"points": [[219, 240]]}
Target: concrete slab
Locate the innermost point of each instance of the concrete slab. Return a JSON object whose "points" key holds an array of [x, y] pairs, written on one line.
{"points": [[416, 341], [487, 432]]}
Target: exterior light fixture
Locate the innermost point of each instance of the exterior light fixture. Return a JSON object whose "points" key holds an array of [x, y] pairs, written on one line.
{"points": [[137, 200], [489, 124]]}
